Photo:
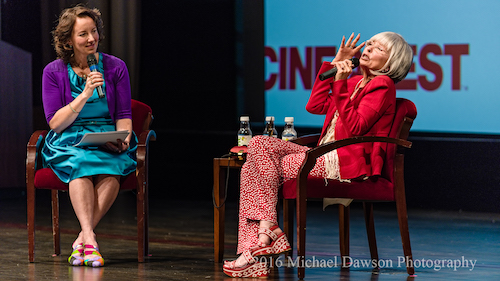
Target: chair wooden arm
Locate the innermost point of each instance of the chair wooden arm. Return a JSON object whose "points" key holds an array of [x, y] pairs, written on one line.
{"points": [[313, 154], [307, 140], [143, 148]]}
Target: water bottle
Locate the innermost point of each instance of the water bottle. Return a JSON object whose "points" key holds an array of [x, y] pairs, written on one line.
{"points": [[244, 134], [289, 132], [270, 130]]}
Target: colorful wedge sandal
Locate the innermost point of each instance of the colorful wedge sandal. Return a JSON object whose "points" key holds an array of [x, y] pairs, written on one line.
{"points": [[279, 243], [254, 268], [96, 260], [76, 258]]}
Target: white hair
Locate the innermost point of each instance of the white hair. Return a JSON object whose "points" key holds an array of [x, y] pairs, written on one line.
{"points": [[400, 55]]}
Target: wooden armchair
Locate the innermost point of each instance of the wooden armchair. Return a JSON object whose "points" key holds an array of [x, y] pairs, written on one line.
{"points": [[387, 188], [44, 178]]}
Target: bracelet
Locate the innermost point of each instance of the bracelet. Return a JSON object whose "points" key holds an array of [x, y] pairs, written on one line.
{"points": [[72, 109]]}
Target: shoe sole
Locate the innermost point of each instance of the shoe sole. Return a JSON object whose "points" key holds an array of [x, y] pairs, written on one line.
{"points": [[256, 270]]}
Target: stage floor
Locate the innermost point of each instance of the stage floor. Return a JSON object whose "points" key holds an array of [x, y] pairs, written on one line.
{"points": [[446, 245]]}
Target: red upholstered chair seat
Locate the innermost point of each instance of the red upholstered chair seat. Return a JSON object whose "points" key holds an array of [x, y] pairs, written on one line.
{"points": [[376, 189], [45, 178]]}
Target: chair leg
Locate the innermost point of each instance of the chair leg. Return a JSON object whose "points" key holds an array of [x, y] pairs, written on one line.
{"points": [[405, 234], [31, 203], [344, 233], [56, 234], [141, 218], [370, 231], [146, 221], [219, 212], [301, 235], [288, 221]]}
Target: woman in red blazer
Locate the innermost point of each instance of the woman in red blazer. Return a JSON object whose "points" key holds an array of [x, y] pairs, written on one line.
{"points": [[363, 105]]}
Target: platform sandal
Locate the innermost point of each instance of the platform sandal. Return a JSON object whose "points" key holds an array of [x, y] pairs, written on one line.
{"points": [[279, 243], [76, 257], [96, 260], [254, 268]]}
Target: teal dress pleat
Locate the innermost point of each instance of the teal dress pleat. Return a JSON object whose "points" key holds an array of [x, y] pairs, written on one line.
{"points": [[70, 162]]}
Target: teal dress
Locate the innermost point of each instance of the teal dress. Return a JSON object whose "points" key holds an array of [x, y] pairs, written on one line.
{"points": [[70, 162]]}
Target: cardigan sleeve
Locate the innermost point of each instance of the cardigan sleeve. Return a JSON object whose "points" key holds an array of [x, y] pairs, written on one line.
{"points": [[359, 116], [52, 90], [123, 93], [118, 92]]}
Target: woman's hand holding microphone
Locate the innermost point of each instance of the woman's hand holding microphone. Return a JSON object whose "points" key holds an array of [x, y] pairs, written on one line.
{"points": [[94, 80], [344, 69]]}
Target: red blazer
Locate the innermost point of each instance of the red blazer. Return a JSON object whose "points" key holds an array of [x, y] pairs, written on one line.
{"points": [[370, 113]]}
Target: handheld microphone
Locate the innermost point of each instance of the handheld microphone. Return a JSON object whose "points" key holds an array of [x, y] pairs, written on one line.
{"points": [[333, 71], [92, 62]]}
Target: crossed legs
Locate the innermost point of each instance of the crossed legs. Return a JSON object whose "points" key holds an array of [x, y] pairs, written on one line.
{"points": [[269, 163], [91, 198]]}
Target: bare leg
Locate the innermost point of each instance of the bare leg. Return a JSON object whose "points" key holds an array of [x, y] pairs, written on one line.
{"points": [[106, 191], [81, 193], [264, 239], [91, 204]]}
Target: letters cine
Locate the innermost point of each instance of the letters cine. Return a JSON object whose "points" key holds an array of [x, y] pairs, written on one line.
{"points": [[451, 80], [289, 63]]}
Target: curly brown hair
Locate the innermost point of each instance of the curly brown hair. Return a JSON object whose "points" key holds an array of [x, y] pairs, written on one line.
{"points": [[61, 35]]}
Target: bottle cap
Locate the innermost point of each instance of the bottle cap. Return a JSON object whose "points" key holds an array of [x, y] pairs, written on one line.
{"points": [[269, 118], [244, 118], [288, 119]]}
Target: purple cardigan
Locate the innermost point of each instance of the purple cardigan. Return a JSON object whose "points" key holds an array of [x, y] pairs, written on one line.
{"points": [[56, 91]]}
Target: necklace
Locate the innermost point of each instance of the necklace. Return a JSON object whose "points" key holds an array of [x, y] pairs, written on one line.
{"points": [[82, 73], [79, 69], [358, 86]]}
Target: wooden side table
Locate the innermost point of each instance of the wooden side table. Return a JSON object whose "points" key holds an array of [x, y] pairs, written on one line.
{"points": [[221, 166]]}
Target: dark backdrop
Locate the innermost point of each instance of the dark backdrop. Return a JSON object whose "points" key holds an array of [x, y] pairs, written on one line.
{"points": [[202, 66]]}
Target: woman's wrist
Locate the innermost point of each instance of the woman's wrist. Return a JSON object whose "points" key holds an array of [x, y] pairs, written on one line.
{"points": [[72, 109], [87, 93], [127, 141]]}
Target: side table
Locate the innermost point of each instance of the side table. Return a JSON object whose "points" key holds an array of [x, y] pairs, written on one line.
{"points": [[221, 165]]}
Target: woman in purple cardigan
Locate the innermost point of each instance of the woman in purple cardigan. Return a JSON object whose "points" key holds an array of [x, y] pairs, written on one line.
{"points": [[74, 107]]}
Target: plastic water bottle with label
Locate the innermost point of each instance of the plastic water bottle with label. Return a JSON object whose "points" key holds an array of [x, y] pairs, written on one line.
{"points": [[244, 134], [270, 130], [289, 132]]}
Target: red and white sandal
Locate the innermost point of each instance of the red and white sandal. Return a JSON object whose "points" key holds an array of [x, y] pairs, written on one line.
{"points": [[279, 243], [254, 268]]}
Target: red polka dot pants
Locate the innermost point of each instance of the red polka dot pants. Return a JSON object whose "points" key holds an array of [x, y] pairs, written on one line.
{"points": [[270, 162]]}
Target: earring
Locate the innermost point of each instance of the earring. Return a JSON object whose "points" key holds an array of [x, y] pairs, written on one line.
{"points": [[385, 70], [70, 48]]}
